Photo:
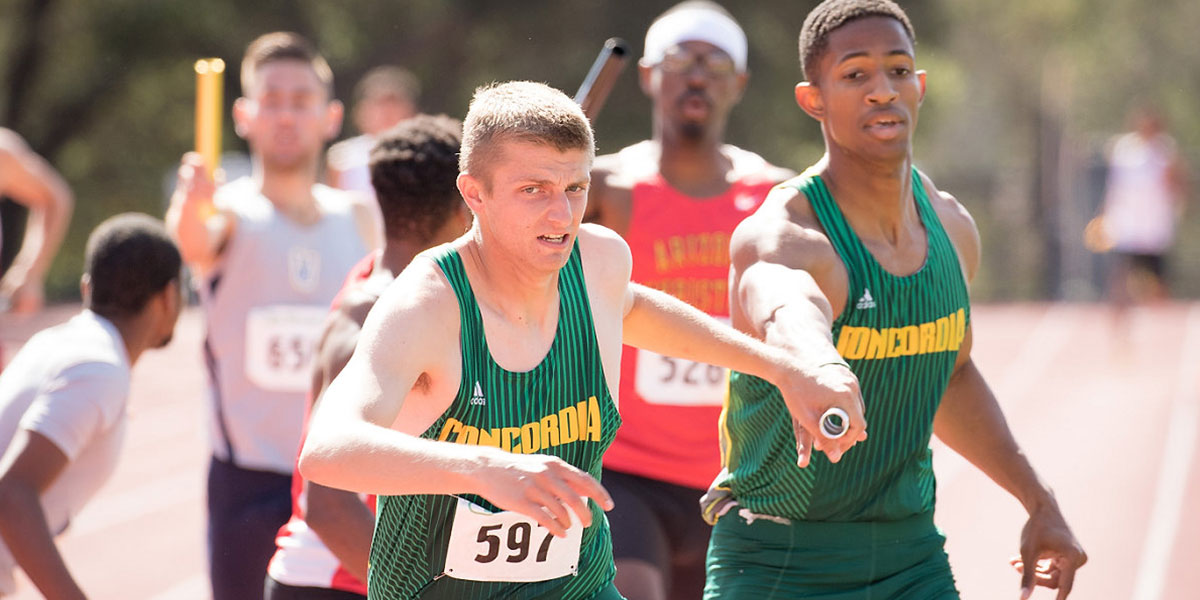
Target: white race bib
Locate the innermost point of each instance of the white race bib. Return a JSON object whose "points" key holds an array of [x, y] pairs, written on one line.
{"points": [[508, 546], [667, 380], [280, 343]]}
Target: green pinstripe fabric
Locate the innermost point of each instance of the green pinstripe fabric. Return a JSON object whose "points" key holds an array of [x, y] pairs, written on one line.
{"points": [[408, 552], [901, 340]]}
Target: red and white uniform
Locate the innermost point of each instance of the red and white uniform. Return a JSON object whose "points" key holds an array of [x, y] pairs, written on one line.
{"points": [[301, 559], [670, 406]]}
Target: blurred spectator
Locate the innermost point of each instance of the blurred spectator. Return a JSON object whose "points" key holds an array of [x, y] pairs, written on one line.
{"points": [[385, 96], [62, 401], [29, 180], [1146, 192], [269, 252]]}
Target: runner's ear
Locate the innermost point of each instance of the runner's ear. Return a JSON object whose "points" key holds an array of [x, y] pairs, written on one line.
{"points": [[808, 97]]}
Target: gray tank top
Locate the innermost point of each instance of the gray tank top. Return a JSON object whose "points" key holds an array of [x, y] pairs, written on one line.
{"points": [[265, 304]]}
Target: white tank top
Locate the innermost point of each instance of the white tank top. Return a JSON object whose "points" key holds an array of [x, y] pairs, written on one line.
{"points": [[1140, 207], [265, 304]]}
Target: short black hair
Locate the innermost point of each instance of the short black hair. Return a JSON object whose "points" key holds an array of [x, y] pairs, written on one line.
{"points": [[129, 259], [830, 15], [414, 169]]}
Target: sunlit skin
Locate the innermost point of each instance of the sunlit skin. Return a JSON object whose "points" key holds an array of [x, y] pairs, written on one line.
{"points": [[530, 201], [692, 105], [287, 116], [866, 94]]}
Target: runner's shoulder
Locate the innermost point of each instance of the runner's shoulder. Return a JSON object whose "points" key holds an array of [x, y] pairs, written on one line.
{"points": [[957, 221], [783, 230]]}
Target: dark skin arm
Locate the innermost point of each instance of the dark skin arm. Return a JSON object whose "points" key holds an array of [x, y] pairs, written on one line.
{"points": [[340, 518], [31, 464], [970, 422]]}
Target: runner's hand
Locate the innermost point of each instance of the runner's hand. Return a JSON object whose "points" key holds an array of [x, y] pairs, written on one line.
{"points": [[1048, 544], [808, 394], [543, 488], [194, 185]]}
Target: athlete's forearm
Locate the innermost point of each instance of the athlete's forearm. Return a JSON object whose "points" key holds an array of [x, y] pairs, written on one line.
{"points": [[47, 226], [661, 323], [970, 422], [788, 310], [344, 524], [801, 330], [23, 527], [354, 455]]}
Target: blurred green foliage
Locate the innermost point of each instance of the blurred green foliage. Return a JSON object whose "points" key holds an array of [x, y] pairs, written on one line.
{"points": [[1022, 95]]}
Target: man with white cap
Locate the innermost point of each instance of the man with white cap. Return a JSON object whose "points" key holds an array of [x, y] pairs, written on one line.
{"points": [[676, 199]]}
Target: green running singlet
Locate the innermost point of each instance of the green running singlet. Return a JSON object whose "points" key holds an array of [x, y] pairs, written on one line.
{"points": [[562, 407], [901, 336]]}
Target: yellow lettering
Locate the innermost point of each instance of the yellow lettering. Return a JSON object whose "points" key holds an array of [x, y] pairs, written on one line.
{"points": [[928, 338], [489, 438], [581, 410], [568, 423], [943, 334], [661, 261], [452, 425], [593, 418], [910, 340], [675, 243], [531, 438], [895, 343], [507, 436], [469, 435], [549, 431], [879, 344], [852, 343], [960, 328]]}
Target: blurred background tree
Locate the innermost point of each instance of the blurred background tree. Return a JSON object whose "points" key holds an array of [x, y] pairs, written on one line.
{"points": [[1022, 96]]}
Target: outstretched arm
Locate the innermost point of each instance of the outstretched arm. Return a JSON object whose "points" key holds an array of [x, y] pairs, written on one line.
{"points": [[661, 323], [971, 423], [31, 181], [31, 464], [350, 445]]}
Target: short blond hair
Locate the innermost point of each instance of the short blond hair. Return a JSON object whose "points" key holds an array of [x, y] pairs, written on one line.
{"points": [[524, 111], [283, 45]]}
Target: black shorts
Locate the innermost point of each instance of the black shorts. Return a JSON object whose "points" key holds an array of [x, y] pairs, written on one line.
{"points": [[245, 511], [282, 591], [1155, 264], [659, 523]]}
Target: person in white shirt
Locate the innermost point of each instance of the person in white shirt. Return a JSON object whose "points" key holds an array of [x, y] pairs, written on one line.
{"points": [[63, 397], [1144, 198], [385, 96]]}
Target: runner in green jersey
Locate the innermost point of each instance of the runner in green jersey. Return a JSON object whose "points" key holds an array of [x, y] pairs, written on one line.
{"points": [[863, 264], [478, 403]]}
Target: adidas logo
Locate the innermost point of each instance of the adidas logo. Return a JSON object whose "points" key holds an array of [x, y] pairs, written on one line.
{"points": [[865, 302], [477, 398]]}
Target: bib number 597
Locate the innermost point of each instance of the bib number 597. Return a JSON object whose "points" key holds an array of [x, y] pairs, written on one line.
{"points": [[519, 535], [508, 546]]}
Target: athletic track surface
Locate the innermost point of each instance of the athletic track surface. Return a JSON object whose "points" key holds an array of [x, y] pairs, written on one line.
{"points": [[1110, 420]]}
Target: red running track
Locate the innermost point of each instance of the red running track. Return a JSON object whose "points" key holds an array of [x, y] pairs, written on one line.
{"points": [[1110, 420]]}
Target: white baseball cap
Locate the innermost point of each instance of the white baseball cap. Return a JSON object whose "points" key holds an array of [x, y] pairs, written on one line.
{"points": [[695, 23]]}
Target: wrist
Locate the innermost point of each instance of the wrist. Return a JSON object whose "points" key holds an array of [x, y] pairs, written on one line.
{"points": [[1040, 500]]}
